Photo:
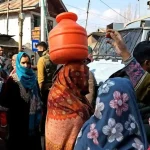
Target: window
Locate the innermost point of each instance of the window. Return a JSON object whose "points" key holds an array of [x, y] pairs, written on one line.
{"points": [[49, 25], [37, 21]]}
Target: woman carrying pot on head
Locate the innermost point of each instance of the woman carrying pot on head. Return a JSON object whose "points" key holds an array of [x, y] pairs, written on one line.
{"points": [[68, 107]]}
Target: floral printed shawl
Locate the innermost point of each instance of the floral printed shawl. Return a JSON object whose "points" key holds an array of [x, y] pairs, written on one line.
{"points": [[116, 123]]}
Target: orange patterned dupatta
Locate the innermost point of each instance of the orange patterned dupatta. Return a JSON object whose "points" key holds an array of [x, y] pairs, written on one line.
{"points": [[68, 109]]}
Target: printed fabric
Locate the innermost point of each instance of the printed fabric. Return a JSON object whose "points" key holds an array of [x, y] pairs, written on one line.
{"points": [[67, 106], [116, 123]]}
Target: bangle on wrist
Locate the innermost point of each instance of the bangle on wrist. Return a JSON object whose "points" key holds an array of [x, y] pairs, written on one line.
{"points": [[127, 61], [127, 58]]}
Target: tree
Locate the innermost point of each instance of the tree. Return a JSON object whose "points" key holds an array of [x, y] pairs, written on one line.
{"points": [[129, 13]]}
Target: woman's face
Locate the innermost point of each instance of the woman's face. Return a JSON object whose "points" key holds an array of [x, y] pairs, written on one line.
{"points": [[13, 61], [25, 62]]}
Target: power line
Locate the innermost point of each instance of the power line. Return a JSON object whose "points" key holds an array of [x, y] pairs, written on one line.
{"points": [[75, 7], [80, 22], [93, 24], [114, 10], [89, 23], [87, 14], [85, 10], [90, 12]]}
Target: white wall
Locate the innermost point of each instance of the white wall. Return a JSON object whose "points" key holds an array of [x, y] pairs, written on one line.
{"points": [[27, 29], [14, 27]]}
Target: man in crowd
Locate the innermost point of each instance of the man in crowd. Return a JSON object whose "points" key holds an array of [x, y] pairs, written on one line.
{"points": [[1, 50], [45, 71]]}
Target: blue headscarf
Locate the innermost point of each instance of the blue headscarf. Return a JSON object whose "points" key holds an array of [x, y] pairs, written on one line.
{"points": [[26, 75], [116, 123], [28, 80]]}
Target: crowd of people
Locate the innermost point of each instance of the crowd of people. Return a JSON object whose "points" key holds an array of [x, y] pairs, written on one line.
{"points": [[61, 104]]}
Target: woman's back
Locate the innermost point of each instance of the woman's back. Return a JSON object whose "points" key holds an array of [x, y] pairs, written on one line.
{"points": [[68, 108], [116, 123]]}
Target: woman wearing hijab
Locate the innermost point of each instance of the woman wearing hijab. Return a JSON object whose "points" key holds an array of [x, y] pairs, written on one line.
{"points": [[13, 61], [116, 123], [67, 108], [22, 98]]}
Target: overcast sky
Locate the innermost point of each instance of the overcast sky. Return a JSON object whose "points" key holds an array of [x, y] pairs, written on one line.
{"points": [[100, 15]]}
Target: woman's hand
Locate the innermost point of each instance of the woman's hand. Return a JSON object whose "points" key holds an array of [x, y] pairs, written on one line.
{"points": [[118, 43]]}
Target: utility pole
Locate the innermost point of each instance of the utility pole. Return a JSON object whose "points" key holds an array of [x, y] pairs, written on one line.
{"points": [[87, 14], [7, 17], [43, 33], [21, 18]]}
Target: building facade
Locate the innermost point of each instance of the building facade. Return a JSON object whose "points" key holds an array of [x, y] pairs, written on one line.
{"points": [[31, 24]]}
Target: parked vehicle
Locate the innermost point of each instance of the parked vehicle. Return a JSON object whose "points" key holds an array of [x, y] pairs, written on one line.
{"points": [[106, 61]]}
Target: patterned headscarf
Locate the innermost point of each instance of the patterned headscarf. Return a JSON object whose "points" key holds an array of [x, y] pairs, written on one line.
{"points": [[116, 123]]}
